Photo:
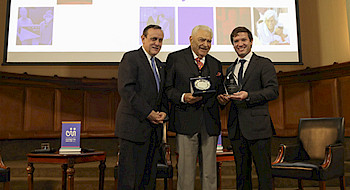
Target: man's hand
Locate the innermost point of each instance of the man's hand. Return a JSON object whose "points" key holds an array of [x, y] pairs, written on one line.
{"points": [[156, 117], [162, 116], [241, 95], [223, 99], [188, 98]]}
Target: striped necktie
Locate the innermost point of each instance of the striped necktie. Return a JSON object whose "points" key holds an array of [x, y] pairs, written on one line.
{"points": [[199, 63]]}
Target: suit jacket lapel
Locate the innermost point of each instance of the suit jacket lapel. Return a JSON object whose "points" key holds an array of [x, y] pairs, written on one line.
{"points": [[189, 59], [212, 69], [231, 70], [250, 69], [147, 67]]}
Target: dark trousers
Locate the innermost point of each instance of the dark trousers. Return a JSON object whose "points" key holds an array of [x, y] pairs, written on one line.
{"points": [[137, 167], [248, 151]]}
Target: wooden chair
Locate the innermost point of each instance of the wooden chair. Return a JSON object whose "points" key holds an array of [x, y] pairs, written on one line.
{"points": [[4, 175], [318, 154]]}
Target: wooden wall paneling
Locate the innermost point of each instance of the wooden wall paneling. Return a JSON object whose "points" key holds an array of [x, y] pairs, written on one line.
{"points": [[39, 112], [99, 114], [344, 91], [11, 110], [69, 106], [324, 98], [277, 113], [58, 110], [296, 101], [34, 106]]}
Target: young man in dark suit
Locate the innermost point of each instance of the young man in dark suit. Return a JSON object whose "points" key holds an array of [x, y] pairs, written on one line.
{"points": [[141, 112], [195, 119], [249, 124]]}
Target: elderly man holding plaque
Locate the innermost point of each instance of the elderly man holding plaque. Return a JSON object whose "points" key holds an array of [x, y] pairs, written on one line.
{"points": [[193, 82]]}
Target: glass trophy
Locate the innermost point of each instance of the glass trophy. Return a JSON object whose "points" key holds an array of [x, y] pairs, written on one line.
{"points": [[231, 85]]}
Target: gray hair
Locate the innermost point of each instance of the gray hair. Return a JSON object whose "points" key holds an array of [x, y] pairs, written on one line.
{"points": [[202, 27], [270, 13]]}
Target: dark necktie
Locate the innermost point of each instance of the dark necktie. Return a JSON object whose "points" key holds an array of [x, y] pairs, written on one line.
{"points": [[240, 72], [199, 63], [155, 72]]}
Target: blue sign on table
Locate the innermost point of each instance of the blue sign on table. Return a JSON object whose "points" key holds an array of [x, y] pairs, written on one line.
{"points": [[219, 147], [70, 138]]}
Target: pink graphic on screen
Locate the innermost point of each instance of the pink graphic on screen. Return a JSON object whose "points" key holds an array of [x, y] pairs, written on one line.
{"points": [[34, 26], [189, 17]]}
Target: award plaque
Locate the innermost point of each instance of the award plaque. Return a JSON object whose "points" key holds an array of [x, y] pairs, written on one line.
{"points": [[201, 85], [231, 85]]}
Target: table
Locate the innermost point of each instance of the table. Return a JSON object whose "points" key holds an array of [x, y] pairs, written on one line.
{"points": [[67, 161], [222, 157]]}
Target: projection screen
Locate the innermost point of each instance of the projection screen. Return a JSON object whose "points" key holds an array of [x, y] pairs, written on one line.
{"points": [[100, 31]]}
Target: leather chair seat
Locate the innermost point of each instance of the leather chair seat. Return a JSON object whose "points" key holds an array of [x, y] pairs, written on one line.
{"points": [[4, 175], [310, 170], [164, 171]]}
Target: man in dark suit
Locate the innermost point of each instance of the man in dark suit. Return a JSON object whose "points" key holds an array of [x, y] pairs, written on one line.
{"points": [[249, 124], [195, 119], [141, 112]]}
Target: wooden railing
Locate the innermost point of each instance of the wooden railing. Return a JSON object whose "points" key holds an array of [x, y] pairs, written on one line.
{"points": [[34, 106]]}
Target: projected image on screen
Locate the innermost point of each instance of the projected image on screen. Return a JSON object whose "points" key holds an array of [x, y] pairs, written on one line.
{"points": [[162, 16], [271, 26], [189, 17], [62, 2], [86, 31], [228, 18], [34, 26]]}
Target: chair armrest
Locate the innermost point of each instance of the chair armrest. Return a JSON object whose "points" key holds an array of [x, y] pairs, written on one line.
{"points": [[2, 165], [117, 160], [116, 165], [280, 155], [334, 157], [167, 154], [290, 153]]}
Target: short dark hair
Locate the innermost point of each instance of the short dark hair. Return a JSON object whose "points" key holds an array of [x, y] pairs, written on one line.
{"points": [[239, 29], [145, 31]]}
